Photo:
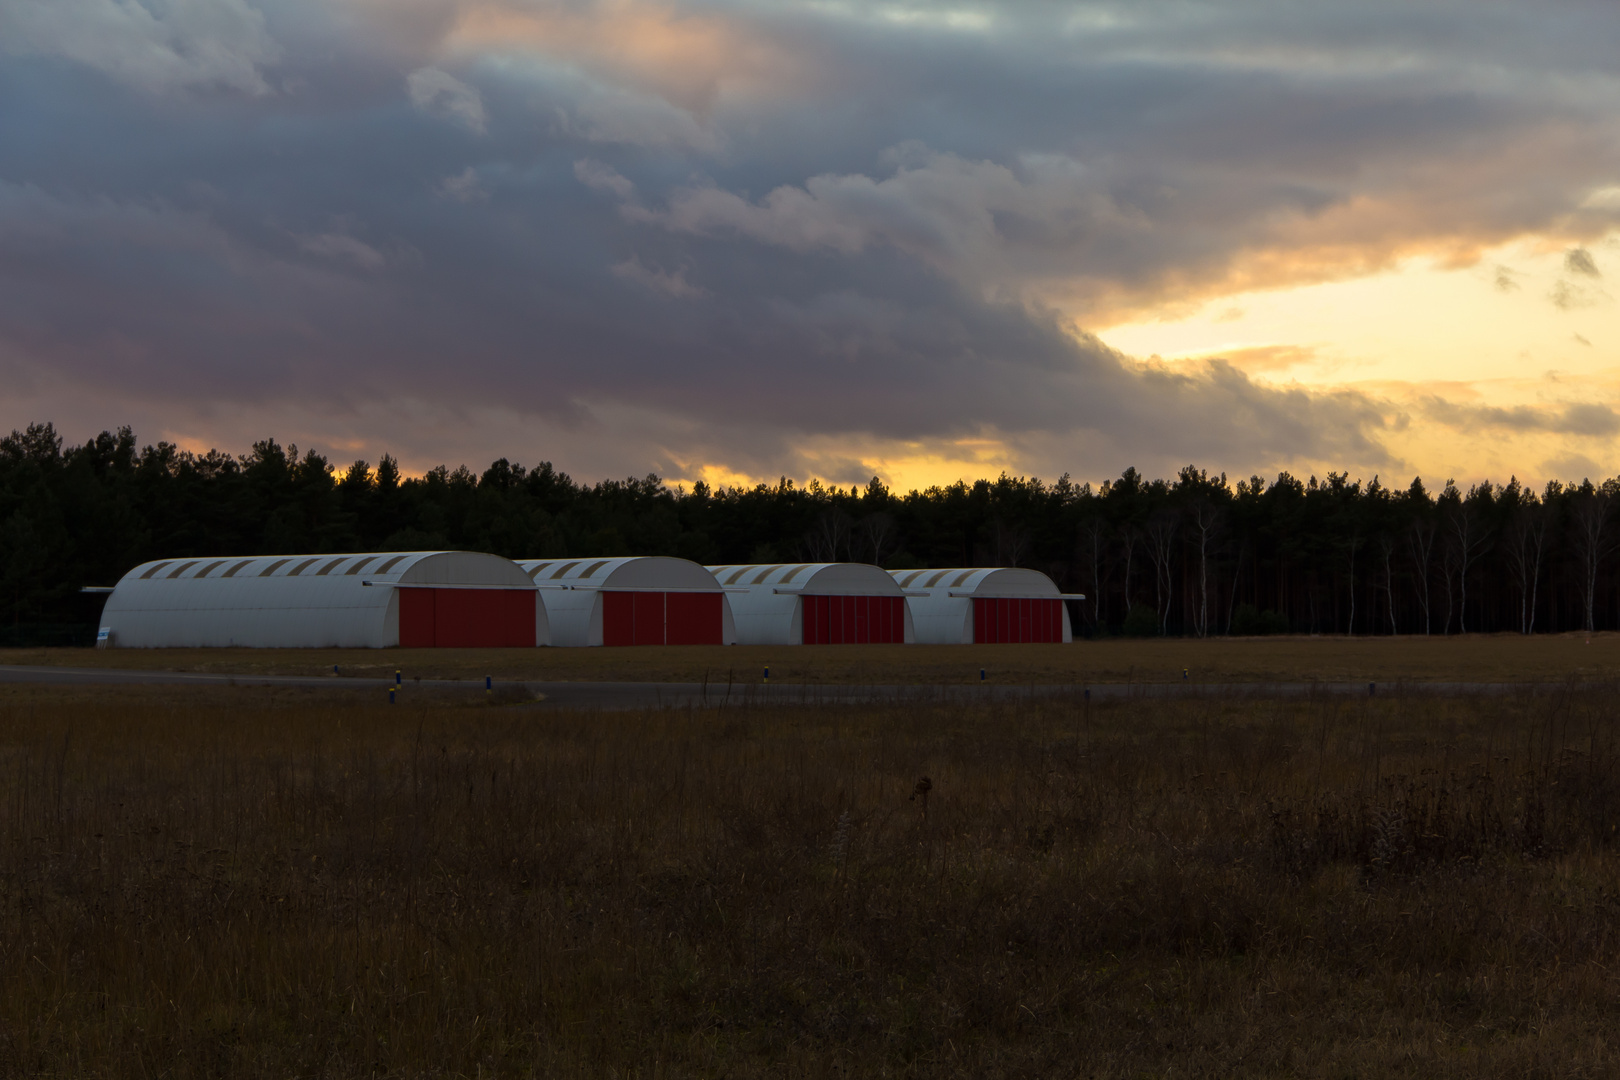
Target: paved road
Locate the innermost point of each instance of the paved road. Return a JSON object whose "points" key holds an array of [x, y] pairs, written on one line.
{"points": [[636, 695]]}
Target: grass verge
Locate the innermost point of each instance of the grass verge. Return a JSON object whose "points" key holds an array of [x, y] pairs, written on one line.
{"points": [[1471, 658]]}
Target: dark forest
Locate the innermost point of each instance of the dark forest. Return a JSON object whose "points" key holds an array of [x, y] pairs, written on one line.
{"points": [[1195, 555]]}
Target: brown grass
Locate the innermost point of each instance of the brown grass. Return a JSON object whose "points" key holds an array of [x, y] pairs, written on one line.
{"points": [[245, 883], [1474, 658]]}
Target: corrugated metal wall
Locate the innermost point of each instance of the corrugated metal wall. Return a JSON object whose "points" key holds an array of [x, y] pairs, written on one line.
{"points": [[662, 618], [1016, 620], [854, 620], [466, 618]]}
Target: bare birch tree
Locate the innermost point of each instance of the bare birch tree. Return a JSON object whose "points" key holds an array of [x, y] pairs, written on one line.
{"points": [[1386, 551], [1448, 574], [1351, 547], [829, 536], [1237, 574], [1130, 538], [1420, 546], [1094, 550], [1525, 543], [1161, 531], [1469, 540], [1012, 543], [1589, 529], [1206, 524], [879, 535]]}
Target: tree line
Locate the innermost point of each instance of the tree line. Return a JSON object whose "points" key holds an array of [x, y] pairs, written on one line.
{"points": [[1196, 555]]}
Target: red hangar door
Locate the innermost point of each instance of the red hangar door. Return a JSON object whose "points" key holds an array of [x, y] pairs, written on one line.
{"points": [[661, 618], [999, 620], [854, 620], [466, 618]]}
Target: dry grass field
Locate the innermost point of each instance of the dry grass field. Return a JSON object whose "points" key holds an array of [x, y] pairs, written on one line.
{"points": [[231, 882], [1471, 658]]}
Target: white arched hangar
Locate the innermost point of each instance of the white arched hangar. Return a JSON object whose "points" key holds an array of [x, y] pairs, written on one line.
{"points": [[815, 604], [985, 605], [650, 600], [444, 599]]}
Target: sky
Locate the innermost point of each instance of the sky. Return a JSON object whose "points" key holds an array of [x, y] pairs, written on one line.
{"points": [[731, 241]]}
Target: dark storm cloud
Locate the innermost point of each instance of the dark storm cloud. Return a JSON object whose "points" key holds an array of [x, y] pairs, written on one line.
{"points": [[756, 224]]}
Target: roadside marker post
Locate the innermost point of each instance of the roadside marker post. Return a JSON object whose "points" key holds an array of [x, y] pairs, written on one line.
{"points": [[489, 687]]}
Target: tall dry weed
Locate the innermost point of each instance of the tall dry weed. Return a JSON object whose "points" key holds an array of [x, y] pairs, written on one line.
{"points": [[231, 884]]}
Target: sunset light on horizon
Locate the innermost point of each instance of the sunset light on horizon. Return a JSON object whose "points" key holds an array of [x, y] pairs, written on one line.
{"points": [[729, 241]]}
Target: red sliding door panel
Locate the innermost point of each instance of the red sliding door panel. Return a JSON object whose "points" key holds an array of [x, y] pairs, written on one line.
{"points": [[817, 612], [618, 618], [649, 608], [456, 617], [889, 620], [693, 619], [660, 618], [483, 618], [416, 618], [854, 620], [1009, 620], [466, 618]]}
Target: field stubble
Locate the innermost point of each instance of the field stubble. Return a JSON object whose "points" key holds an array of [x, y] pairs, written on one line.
{"points": [[235, 883]]}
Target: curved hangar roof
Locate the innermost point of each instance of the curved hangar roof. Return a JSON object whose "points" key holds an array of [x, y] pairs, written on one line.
{"points": [[980, 581], [311, 601], [632, 572], [639, 600], [985, 604], [814, 603]]}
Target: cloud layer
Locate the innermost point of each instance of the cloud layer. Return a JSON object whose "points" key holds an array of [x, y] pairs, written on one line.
{"points": [[677, 235], [156, 46]]}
